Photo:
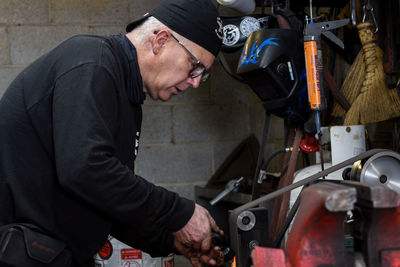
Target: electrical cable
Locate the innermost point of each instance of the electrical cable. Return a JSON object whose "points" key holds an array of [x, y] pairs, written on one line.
{"points": [[257, 183], [256, 186]]}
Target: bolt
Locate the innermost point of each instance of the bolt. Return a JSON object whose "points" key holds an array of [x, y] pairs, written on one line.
{"points": [[252, 244], [246, 220]]}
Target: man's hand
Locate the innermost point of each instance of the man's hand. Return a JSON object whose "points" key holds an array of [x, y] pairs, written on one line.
{"points": [[194, 239], [214, 257]]}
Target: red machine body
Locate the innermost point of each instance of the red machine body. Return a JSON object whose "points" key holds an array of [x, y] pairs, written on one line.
{"points": [[317, 237]]}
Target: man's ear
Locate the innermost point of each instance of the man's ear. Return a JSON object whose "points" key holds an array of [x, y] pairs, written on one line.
{"points": [[159, 40]]}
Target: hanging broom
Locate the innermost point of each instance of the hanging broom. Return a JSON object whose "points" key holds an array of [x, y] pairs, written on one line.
{"points": [[375, 101]]}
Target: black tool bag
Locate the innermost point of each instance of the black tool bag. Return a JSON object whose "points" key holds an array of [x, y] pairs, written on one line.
{"points": [[23, 245]]}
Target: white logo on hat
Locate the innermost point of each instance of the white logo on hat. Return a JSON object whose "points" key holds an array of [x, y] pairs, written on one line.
{"points": [[220, 30]]}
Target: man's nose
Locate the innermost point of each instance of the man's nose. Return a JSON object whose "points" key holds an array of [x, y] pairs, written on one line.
{"points": [[195, 82]]}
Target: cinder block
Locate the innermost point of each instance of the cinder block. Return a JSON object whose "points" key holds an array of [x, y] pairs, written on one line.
{"points": [[192, 95], [4, 51], [23, 12], [200, 94], [149, 101], [156, 125], [277, 128], [7, 75], [226, 89], [89, 12], [107, 30], [221, 152], [257, 119], [186, 191], [201, 123], [140, 7], [174, 163], [30, 42]]}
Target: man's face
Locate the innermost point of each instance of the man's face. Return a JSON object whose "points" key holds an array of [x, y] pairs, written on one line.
{"points": [[174, 65]]}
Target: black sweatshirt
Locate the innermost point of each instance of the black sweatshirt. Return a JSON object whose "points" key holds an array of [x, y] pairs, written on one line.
{"points": [[69, 127]]}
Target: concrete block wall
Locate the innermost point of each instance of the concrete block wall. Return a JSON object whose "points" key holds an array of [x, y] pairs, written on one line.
{"points": [[183, 140]]}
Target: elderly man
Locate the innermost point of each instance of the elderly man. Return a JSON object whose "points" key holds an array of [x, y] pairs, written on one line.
{"points": [[69, 135]]}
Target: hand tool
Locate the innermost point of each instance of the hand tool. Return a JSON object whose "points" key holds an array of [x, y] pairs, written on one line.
{"points": [[231, 187]]}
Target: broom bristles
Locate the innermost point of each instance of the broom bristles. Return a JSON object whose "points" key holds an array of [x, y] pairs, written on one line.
{"points": [[375, 103], [352, 84]]}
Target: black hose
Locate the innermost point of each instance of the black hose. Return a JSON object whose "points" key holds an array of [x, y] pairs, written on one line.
{"points": [[273, 155], [258, 186], [260, 155]]}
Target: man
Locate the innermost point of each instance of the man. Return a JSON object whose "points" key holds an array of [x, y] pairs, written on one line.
{"points": [[69, 130]]}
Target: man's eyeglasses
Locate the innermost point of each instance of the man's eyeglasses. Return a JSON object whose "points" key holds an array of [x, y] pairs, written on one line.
{"points": [[198, 69]]}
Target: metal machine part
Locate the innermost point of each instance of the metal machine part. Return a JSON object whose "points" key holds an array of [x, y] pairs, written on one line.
{"points": [[218, 240], [246, 220], [232, 186], [251, 225], [381, 168], [375, 228], [235, 238], [319, 228]]}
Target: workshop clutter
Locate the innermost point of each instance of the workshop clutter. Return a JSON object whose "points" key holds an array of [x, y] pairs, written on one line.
{"points": [[322, 228], [345, 211], [115, 253]]}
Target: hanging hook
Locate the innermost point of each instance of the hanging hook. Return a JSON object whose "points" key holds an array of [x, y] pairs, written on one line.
{"points": [[273, 7], [353, 14], [368, 9]]}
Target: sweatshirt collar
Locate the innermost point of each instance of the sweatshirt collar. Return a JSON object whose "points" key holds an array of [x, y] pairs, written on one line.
{"points": [[134, 80]]}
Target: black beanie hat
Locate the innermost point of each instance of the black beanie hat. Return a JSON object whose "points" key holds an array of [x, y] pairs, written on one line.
{"points": [[196, 20]]}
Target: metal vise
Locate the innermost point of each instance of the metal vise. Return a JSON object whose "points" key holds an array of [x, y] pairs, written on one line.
{"points": [[317, 236]]}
